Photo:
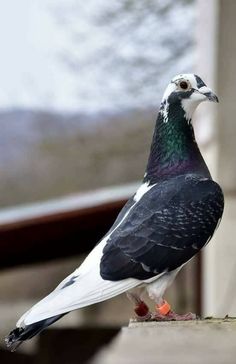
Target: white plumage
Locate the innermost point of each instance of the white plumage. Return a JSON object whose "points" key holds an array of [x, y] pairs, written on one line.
{"points": [[88, 287]]}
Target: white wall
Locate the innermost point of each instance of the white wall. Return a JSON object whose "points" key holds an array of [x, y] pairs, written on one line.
{"points": [[216, 63]]}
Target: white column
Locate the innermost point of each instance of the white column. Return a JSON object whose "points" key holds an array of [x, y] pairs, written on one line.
{"points": [[216, 32]]}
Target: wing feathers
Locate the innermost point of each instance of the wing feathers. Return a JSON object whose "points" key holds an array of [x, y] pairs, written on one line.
{"points": [[87, 290]]}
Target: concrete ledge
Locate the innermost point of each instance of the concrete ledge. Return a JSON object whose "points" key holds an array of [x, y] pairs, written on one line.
{"points": [[191, 342]]}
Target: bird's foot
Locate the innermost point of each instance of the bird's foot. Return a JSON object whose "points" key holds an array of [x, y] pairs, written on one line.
{"points": [[173, 316], [164, 313], [185, 317]]}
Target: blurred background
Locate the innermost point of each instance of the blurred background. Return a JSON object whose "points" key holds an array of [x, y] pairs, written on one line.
{"points": [[81, 83]]}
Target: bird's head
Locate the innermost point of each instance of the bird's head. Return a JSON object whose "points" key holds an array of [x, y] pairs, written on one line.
{"points": [[189, 90]]}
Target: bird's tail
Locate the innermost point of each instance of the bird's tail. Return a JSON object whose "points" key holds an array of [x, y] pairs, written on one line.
{"points": [[20, 334]]}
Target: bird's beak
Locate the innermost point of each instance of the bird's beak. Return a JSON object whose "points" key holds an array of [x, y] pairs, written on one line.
{"points": [[209, 94]]}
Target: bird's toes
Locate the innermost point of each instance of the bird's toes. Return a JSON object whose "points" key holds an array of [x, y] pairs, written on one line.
{"points": [[173, 316], [158, 317]]}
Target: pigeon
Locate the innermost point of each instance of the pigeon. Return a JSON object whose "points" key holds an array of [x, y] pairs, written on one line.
{"points": [[170, 218]]}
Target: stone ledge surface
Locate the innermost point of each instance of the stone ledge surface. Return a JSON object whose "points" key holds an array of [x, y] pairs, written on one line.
{"points": [[208, 341]]}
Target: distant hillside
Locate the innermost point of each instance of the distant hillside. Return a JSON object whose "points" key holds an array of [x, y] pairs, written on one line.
{"points": [[44, 155]]}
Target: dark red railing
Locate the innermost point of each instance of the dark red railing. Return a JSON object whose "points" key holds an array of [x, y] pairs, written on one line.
{"points": [[58, 228]]}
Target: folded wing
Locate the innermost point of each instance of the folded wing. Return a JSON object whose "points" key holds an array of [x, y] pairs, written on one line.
{"points": [[166, 229]]}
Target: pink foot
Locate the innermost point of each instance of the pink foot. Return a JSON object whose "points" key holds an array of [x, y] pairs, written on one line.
{"points": [[172, 316]]}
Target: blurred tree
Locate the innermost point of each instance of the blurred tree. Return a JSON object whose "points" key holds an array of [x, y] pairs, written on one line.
{"points": [[123, 52]]}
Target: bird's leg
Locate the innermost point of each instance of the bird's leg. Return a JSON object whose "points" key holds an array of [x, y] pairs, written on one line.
{"points": [[163, 310], [141, 310]]}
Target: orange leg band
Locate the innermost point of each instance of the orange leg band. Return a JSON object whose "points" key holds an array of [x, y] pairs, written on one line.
{"points": [[164, 309]]}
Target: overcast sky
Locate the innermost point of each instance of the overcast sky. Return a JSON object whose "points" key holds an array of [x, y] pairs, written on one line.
{"points": [[36, 36], [29, 70]]}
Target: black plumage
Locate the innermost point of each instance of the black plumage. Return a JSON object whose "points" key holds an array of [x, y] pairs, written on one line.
{"points": [[165, 229], [18, 335]]}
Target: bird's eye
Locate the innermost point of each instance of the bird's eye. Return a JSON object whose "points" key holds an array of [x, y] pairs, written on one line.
{"points": [[184, 85]]}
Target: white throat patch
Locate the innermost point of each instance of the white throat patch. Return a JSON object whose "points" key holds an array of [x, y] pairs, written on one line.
{"points": [[189, 107]]}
